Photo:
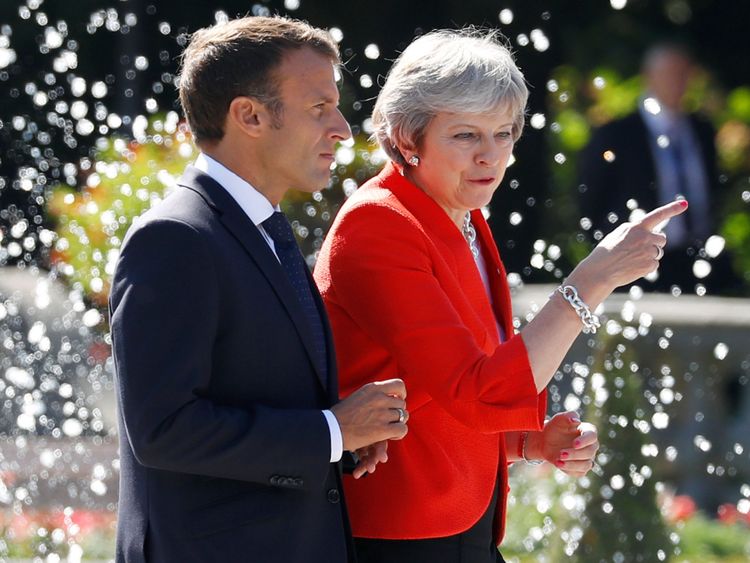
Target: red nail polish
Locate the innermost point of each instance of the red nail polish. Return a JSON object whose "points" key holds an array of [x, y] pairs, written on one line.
{"points": [[683, 203], [576, 443], [564, 455], [560, 463]]}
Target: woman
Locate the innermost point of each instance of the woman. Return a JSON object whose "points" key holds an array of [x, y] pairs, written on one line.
{"points": [[414, 286]]}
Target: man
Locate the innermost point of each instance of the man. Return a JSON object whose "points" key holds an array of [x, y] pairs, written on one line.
{"points": [[230, 424], [649, 158]]}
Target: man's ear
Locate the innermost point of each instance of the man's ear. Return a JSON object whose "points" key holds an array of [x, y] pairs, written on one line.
{"points": [[248, 115]]}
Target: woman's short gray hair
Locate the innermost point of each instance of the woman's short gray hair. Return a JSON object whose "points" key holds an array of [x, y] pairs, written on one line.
{"points": [[446, 71]]}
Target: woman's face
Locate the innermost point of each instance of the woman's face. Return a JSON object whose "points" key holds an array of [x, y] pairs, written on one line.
{"points": [[462, 159]]}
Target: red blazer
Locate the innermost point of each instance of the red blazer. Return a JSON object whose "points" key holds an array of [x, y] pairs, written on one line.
{"points": [[405, 299]]}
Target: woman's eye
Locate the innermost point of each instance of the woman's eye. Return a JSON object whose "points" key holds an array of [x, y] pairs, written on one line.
{"points": [[503, 135], [463, 136]]}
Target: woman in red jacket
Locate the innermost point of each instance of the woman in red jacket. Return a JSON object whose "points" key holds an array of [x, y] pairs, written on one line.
{"points": [[414, 287]]}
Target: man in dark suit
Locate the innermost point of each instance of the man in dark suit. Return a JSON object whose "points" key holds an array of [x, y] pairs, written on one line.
{"points": [[231, 429], [649, 158]]}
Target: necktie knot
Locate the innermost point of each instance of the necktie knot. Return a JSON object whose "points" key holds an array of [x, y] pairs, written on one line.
{"points": [[278, 228]]}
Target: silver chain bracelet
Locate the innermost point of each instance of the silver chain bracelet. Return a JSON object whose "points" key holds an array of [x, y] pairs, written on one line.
{"points": [[590, 320], [523, 440]]}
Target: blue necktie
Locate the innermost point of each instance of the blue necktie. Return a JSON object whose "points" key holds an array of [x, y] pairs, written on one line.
{"points": [[280, 231], [679, 164]]}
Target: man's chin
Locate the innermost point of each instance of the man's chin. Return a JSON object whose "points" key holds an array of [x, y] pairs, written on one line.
{"points": [[319, 182]]}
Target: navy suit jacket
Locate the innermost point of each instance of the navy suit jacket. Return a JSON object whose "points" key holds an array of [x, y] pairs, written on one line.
{"points": [[224, 449]]}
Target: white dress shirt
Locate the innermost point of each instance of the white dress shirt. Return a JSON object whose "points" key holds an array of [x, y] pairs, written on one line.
{"points": [[258, 209]]}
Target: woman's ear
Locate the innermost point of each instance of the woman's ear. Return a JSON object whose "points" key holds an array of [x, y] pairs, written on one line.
{"points": [[406, 149]]}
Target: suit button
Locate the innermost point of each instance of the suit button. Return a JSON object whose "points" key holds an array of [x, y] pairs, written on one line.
{"points": [[333, 496]]}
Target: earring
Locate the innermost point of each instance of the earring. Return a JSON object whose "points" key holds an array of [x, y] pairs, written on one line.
{"points": [[414, 160]]}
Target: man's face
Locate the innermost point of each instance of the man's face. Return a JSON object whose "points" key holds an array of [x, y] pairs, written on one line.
{"points": [[668, 78], [298, 154]]}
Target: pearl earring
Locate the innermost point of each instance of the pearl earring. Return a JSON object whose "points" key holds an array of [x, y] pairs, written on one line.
{"points": [[414, 160]]}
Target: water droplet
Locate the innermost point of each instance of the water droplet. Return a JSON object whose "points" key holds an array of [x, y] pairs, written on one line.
{"points": [[372, 51], [538, 121], [701, 269], [506, 16], [72, 427], [20, 378], [336, 34], [702, 443], [660, 420], [651, 105], [714, 245], [540, 40], [720, 351]]}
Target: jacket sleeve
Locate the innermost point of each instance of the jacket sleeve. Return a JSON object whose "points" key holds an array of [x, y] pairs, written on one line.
{"points": [[164, 317], [381, 275]]}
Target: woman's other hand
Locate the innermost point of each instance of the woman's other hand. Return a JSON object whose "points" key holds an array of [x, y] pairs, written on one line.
{"points": [[567, 443], [369, 457]]}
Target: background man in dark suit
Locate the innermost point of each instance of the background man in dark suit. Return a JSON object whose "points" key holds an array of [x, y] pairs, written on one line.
{"points": [[230, 424], [649, 158]]}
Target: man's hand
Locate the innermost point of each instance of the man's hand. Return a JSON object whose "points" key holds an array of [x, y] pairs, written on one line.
{"points": [[371, 414]]}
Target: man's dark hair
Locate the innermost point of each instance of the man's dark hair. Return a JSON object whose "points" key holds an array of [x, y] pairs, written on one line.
{"points": [[239, 58]]}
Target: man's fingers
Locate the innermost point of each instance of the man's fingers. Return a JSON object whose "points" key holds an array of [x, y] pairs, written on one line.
{"points": [[395, 387], [660, 214], [397, 430]]}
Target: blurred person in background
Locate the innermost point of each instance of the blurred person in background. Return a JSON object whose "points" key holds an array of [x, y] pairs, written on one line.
{"points": [[650, 157], [414, 285]]}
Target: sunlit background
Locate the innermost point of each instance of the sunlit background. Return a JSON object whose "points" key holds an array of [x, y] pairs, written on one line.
{"points": [[92, 136]]}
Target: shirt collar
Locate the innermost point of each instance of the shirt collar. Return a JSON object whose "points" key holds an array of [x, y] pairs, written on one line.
{"points": [[662, 122], [253, 203]]}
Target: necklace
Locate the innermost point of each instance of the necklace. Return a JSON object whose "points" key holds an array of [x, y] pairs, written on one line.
{"points": [[470, 234]]}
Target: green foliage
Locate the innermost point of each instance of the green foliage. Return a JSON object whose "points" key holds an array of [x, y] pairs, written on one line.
{"points": [[707, 540], [736, 231], [624, 518], [126, 178], [738, 103]]}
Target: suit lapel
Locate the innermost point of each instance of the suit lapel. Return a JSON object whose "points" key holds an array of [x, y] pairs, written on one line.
{"points": [[239, 225]]}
